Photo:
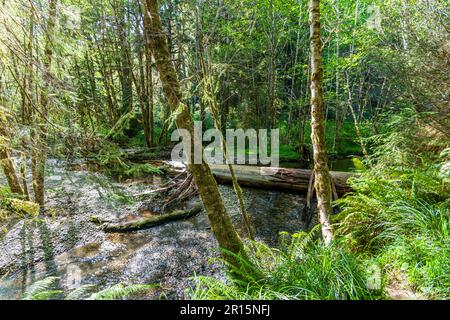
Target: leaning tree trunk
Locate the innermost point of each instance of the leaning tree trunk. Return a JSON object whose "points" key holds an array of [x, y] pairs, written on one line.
{"points": [[209, 95], [322, 174], [6, 162], [222, 227]]}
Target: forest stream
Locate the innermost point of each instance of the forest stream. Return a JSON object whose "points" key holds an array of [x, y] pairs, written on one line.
{"points": [[66, 244]]}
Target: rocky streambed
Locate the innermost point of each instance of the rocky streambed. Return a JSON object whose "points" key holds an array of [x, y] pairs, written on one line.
{"points": [[66, 244]]}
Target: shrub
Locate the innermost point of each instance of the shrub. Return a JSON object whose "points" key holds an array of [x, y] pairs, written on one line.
{"points": [[302, 269]]}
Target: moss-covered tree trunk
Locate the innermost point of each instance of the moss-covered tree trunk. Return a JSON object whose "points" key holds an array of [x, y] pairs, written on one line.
{"points": [[6, 162], [40, 149], [222, 227], [126, 65], [322, 174], [149, 118], [9, 169]]}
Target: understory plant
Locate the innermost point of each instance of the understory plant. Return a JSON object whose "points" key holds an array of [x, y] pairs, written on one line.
{"points": [[47, 289], [399, 210], [302, 268]]}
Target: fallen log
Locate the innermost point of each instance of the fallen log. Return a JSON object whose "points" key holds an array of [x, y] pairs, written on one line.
{"points": [[287, 179], [277, 178], [151, 221], [139, 155]]}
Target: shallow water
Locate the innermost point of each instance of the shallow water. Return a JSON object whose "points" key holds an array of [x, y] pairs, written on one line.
{"points": [[69, 246]]}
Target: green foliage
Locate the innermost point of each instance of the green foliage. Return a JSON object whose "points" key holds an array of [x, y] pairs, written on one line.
{"points": [[288, 153], [45, 290], [399, 210], [301, 269], [420, 245], [359, 165], [79, 292], [42, 290], [138, 170], [425, 262], [120, 291], [12, 206], [111, 160]]}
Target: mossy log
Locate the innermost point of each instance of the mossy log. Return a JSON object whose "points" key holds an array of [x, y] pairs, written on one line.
{"points": [[152, 221], [277, 178], [286, 179], [148, 154]]}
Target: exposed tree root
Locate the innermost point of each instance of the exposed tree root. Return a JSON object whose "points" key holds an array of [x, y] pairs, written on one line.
{"points": [[180, 192]]}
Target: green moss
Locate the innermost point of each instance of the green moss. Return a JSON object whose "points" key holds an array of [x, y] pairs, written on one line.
{"points": [[12, 207], [25, 207]]}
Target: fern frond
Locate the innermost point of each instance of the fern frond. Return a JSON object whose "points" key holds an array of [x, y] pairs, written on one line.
{"points": [[120, 291], [40, 289], [79, 292]]}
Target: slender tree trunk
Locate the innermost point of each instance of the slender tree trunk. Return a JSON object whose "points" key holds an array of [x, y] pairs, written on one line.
{"points": [[303, 114], [23, 173], [149, 88], [9, 170], [221, 224], [40, 151], [322, 174], [199, 56], [209, 95], [272, 69], [120, 15], [355, 119], [6, 161], [337, 53], [107, 79], [149, 79]]}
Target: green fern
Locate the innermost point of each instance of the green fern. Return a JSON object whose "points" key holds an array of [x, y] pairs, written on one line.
{"points": [[302, 269], [120, 291], [41, 290], [79, 292]]}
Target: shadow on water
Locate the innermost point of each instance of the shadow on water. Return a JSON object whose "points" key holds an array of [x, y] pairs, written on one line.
{"points": [[28, 253], [23, 245], [48, 250], [274, 212], [72, 235]]}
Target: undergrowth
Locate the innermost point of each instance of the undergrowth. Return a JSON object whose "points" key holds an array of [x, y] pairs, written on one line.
{"points": [[47, 289], [302, 268]]}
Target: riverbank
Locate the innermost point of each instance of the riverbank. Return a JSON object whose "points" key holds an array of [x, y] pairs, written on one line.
{"points": [[65, 243]]}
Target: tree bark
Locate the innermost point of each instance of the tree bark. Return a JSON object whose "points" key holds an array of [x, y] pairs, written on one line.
{"points": [[322, 175], [280, 178], [210, 96], [40, 152], [9, 170], [221, 224]]}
